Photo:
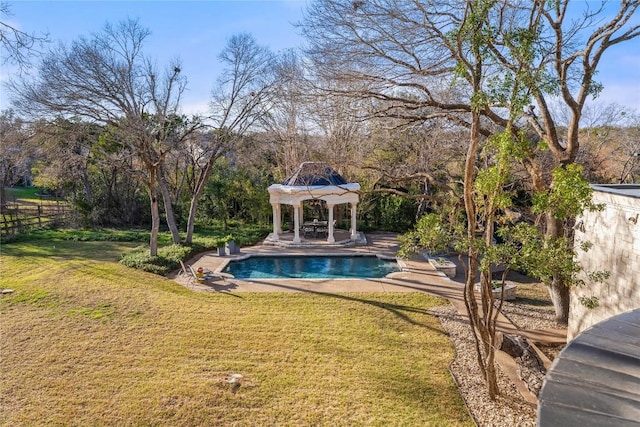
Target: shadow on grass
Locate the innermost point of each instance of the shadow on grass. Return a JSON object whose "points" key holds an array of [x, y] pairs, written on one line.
{"points": [[68, 250], [224, 288], [396, 309]]}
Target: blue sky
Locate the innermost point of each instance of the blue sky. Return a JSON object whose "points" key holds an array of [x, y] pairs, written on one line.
{"points": [[196, 31]]}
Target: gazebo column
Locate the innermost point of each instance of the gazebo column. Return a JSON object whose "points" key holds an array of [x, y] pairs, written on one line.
{"points": [[296, 224], [354, 234], [301, 220], [276, 220], [330, 238], [279, 210]]}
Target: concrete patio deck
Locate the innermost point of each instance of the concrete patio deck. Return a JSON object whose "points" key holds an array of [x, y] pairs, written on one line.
{"points": [[342, 239]]}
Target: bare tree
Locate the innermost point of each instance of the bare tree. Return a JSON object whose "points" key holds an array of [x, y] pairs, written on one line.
{"points": [[15, 152], [287, 120], [106, 79], [421, 162], [337, 120], [479, 64], [65, 153], [18, 47], [402, 55], [571, 54], [239, 98], [629, 152], [603, 149]]}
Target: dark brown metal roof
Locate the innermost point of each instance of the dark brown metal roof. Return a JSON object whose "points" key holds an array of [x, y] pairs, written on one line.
{"points": [[595, 381], [314, 174], [629, 190]]}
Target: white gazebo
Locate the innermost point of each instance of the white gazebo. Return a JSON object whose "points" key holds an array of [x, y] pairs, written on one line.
{"points": [[312, 181]]}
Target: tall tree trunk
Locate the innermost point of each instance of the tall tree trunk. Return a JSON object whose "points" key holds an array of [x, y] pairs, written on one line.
{"points": [[558, 289], [193, 206], [195, 197], [168, 208], [482, 320], [561, 297], [155, 220], [3, 196], [87, 187]]}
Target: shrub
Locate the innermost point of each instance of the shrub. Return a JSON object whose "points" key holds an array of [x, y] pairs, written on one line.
{"points": [[168, 258], [81, 235]]}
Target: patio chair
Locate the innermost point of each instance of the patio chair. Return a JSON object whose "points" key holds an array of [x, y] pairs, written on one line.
{"points": [[308, 231], [193, 276], [322, 231]]}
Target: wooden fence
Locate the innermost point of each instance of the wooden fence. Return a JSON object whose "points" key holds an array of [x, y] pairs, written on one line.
{"points": [[19, 217]]}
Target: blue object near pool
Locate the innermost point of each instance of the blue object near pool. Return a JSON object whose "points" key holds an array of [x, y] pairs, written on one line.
{"points": [[311, 267]]}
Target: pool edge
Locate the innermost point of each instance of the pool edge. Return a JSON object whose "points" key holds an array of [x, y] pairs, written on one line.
{"points": [[401, 265]]}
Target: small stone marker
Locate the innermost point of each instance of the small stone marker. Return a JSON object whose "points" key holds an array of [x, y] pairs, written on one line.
{"points": [[234, 378]]}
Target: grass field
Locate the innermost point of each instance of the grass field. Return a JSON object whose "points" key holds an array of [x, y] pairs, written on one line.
{"points": [[28, 195], [87, 341]]}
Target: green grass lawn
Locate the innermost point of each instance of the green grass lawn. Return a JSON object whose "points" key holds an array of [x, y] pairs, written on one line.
{"points": [[28, 195], [87, 341], [22, 192]]}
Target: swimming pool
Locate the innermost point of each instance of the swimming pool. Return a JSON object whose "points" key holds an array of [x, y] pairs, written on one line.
{"points": [[311, 267]]}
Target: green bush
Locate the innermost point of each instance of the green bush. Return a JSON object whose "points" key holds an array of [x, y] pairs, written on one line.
{"points": [[168, 258], [387, 212], [208, 234], [81, 235], [206, 238]]}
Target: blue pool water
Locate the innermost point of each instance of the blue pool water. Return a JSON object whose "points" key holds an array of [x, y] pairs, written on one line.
{"points": [[311, 267]]}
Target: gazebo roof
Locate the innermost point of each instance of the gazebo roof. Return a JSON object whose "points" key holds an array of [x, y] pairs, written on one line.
{"points": [[314, 181], [311, 174]]}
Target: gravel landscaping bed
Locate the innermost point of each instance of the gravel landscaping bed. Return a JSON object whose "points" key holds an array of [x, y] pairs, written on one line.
{"points": [[510, 409], [528, 317]]}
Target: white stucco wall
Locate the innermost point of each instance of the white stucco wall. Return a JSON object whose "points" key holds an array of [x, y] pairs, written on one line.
{"points": [[615, 236]]}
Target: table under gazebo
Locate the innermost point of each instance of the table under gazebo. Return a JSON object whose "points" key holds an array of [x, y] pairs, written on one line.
{"points": [[312, 181]]}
